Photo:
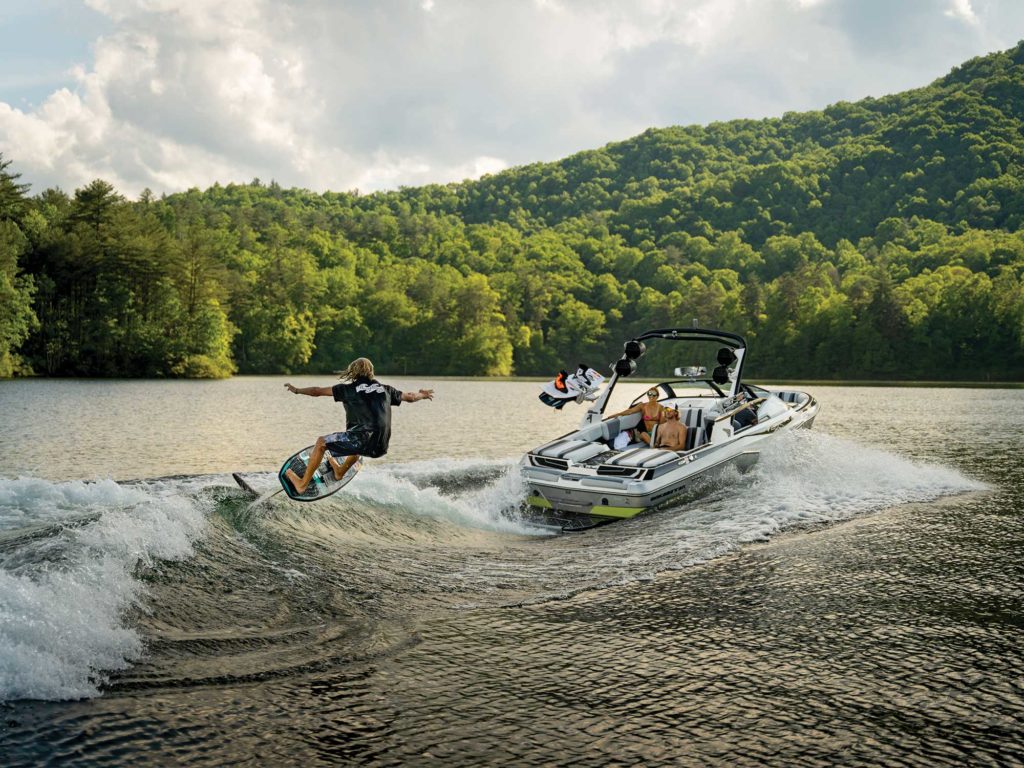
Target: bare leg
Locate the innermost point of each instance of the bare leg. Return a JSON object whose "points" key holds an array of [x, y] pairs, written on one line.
{"points": [[300, 484], [645, 437], [341, 469]]}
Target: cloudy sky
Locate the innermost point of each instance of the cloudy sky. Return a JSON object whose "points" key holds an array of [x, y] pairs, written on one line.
{"points": [[373, 94]]}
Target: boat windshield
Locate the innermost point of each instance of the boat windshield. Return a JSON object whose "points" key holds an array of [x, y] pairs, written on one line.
{"points": [[680, 388]]}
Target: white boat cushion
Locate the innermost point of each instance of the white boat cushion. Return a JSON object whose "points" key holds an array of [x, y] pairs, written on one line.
{"points": [[662, 457], [643, 457], [588, 451], [559, 448], [624, 456]]}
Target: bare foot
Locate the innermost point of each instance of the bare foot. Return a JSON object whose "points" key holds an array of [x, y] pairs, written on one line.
{"points": [[339, 471], [295, 480]]}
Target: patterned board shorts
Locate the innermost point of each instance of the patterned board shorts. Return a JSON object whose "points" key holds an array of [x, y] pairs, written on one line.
{"points": [[346, 443]]}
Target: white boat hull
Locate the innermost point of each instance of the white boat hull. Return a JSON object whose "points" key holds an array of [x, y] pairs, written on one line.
{"points": [[594, 484]]}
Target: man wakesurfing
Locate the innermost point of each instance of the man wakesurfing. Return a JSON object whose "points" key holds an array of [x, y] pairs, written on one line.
{"points": [[367, 405]]}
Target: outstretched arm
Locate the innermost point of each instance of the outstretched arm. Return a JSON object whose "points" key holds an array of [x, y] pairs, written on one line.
{"points": [[412, 397], [635, 409], [311, 391]]}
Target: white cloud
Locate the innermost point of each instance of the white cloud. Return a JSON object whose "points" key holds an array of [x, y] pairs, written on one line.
{"points": [[961, 9], [329, 95]]}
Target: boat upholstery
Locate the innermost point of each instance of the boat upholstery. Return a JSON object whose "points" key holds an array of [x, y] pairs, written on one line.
{"points": [[560, 448], [595, 439], [591, 440], [611, 428], [793, 397], [643, 457], [584, 452], [607, 430], [696, 435]]}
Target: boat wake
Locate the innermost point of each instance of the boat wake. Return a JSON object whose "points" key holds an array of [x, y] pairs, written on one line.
{"points": [[180, 581], [70, 558]]}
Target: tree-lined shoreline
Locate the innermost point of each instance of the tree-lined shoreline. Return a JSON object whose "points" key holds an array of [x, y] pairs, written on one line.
{"points": [[874, 240]]}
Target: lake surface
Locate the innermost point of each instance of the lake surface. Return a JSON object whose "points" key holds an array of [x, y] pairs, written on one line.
{"points": [[855, 599]]}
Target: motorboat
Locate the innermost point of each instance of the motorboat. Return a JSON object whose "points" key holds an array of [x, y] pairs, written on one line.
{"points": [[604, 471]]}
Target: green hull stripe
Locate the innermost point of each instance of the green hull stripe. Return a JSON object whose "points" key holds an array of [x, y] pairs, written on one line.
{"points": [[597, 509]]}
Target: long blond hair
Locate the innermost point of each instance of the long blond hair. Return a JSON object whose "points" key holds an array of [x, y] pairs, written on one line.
{"points": [[361, 366]]}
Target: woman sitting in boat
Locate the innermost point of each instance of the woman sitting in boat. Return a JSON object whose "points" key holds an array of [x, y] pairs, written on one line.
{"points": [[652, 413]]}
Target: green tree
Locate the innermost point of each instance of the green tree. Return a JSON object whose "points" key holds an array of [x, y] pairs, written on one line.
{"points": [[17, 319]]}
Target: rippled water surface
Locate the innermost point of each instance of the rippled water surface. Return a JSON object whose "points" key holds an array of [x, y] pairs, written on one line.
{"points": [[855, 599]]}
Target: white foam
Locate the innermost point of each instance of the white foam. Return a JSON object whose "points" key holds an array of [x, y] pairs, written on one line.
{"points": [[442, 468], [802, 478], [391, 486], [62, 618], [29, 500], [810, 477]]}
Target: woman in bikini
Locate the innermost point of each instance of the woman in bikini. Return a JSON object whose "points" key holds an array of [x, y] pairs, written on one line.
{"points": [[652, 413]]}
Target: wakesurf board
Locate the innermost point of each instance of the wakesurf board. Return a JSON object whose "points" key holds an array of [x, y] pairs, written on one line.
{"points": [[581, 386], [323, 483]]}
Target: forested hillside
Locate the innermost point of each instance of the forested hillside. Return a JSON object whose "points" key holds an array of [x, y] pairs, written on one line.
{"points": [[879, 239]]}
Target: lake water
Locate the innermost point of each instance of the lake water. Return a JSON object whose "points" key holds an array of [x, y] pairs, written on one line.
{"points": [[855, 599]]}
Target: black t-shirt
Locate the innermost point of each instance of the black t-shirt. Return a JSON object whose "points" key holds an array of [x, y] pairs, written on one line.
{"points": [[368, 410], [744, 418]]}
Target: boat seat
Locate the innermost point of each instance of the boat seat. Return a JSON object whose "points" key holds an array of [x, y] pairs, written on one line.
{"points": [[611, 428], [588, 451], [793, 397], [696, 434], [586, 443], [559, 448], [643, 457]]}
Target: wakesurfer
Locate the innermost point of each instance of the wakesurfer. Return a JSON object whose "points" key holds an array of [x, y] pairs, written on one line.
{"points": [[367, 404]]}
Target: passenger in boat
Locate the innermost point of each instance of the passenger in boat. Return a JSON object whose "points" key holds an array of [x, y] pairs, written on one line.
{"points": [[652, 413], [747, 417], [742, 418], [672, 434]]}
